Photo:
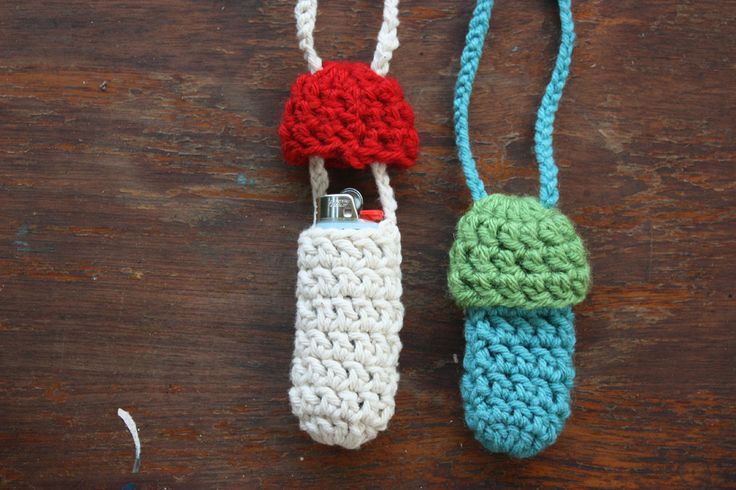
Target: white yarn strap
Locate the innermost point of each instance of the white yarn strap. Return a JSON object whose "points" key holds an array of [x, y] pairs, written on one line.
{"points": [[388, 39], [319, 181], [385, 192], [318, 178], [306, 17]]}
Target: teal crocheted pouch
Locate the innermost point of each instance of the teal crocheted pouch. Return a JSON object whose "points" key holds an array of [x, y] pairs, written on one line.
{"points": [[517, 266]]}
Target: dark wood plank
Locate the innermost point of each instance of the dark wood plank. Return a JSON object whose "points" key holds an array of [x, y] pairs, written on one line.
{"points": [[147, 246]]}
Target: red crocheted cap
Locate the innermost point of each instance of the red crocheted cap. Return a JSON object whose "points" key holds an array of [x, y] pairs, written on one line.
{"points": [[349, 115]]}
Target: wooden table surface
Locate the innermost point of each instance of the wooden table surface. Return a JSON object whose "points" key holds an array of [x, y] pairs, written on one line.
{"points": [[149, 226]]}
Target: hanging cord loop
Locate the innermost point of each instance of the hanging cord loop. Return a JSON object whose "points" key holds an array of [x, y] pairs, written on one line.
{"points": [[544, 127], [388, 41]]}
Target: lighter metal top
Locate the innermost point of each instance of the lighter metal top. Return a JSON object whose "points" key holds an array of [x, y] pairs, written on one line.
{"points": [[340, 207]]}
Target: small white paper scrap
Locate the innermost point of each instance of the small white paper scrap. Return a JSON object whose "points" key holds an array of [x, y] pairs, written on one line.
{"points": [[130, 424]]}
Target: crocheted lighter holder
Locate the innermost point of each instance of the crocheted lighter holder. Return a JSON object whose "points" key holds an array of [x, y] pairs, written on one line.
{"points": [[517, 267], [344, 370]]}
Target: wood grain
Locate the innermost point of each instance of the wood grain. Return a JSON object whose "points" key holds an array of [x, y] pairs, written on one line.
{"points": [[148, 241]]}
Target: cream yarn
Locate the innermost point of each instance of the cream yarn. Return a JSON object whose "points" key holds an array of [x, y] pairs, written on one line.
{"points": [[305, 14], [346, 351]]}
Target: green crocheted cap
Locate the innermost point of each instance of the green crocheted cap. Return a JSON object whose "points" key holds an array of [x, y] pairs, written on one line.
{"points": [[511, 251]]}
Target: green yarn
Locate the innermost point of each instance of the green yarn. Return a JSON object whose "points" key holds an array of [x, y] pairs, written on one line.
{"points": [[512, 251]]}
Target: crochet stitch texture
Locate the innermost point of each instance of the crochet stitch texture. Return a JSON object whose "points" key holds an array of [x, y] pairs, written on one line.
{"points": [[517, 266], [512, 251], [349, 115], [518, 376], [347, 345], [344, 370]]}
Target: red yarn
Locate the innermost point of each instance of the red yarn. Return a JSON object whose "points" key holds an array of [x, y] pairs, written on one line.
{"points": [[349, 115]]}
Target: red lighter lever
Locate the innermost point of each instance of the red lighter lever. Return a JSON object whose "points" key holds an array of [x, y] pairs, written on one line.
{"points": [[375, 215]]}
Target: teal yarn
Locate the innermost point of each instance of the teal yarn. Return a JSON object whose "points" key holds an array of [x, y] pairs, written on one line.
{"points": [[518, 376], [543, 128], [477, 30], [549, 193], [517, 266]]}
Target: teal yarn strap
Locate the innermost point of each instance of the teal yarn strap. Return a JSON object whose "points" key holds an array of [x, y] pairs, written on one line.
{"points": [[544, 127], [474, 41]]}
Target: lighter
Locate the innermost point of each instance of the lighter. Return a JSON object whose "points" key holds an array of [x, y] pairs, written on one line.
{"points": [[345, 211], [344, 370]]}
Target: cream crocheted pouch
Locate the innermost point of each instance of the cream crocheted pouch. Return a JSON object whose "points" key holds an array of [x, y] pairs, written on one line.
{"points": [[346, 352]]}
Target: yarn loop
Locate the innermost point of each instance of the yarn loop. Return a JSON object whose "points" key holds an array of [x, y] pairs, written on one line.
{"points": [[349, 115]]}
